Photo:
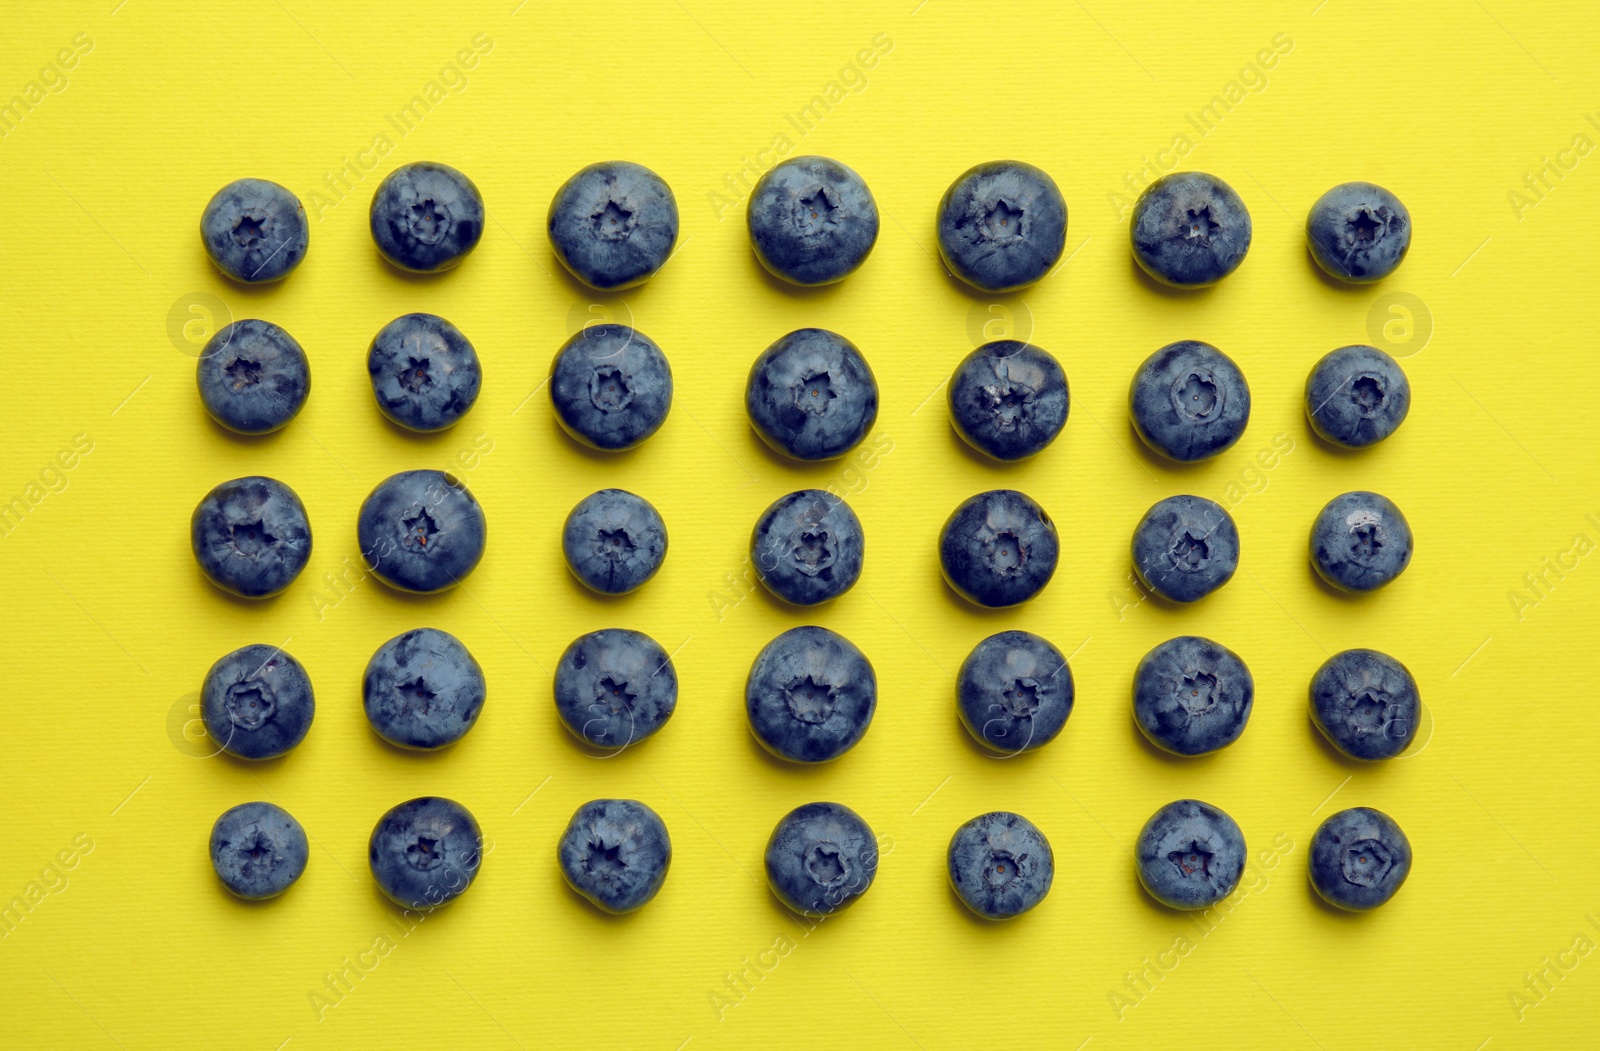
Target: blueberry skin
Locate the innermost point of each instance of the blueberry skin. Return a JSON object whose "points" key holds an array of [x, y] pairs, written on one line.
{"points": [[614, 687], [251, 536], [1192, 696], [424, 372], [1189, 230], [1359, 859], [253, 377], [258, 850], [998, 548], [812, 221], [1002, 225], [1357, 396], [616, 853], [821, 858], [1366, 704], [425, 852], [1185, 548], [257, 702], [1000, 865], [811, 395], [1008, 399], [1190, 855], [426, 217], [421, 531], [255, 231], [423, 689], [808, 547], [1189, 401], [613, 224], [1360, 541], [614, 541], [1014, 692], [611, 387], [810, 695], [1358, 232]]}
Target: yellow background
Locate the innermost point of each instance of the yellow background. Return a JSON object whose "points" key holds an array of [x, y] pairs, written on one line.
{"points": [[110, 627]]}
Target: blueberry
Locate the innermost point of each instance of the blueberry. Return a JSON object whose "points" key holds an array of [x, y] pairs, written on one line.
{"points": [[424, 372], [255, 231], [615, 852], [611, 387], [1358, 232], [1192, 696], [251, 536], [810, 695], [811, 395], [253, 377], [1357, 396], [1360, 541], [1185, 548], [1190, 855], [1002, 225], [998, 548], [812, 221], [1189, 230], [613, 224], [614, 687], [1366, 703], [257, 702], [1189, 401], [423, 689], [1000, 865], [807, 547], [421, 531], [1359, 859], [426, 217], [1008, 399], [425, 852], [258, 850], [821, 858], [614, 541], [1014, 692]]}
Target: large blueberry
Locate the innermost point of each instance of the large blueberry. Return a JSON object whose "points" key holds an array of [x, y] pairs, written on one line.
{"points": [[1360, 541], [812, 220], [810, 695], [257, 702], [426, 217], [423, 689], [611, 386], [1014, 692], [1000, 865], [998, 548], [614, 687], [421, 531], [1192, 696], [251, 536], [253, 377], [425, 852], [1189, 401], [820, 858], [808, 547], [1189, 230], [425, 373], [1190, 855], [811, 395], [1358, 232], [258, 850], [613, 224], [1185, 548], [1357, 396], [1008, 399], [1359, 859], [1366, 703], [255, 231], [1002, 225], [616, 853], [614, 541]]}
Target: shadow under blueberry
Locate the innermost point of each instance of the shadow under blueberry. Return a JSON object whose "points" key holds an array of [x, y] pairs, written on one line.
{"points": [[428, 916], [598, 917], [1168, 291], [258, 291], [1341, 594], [806, 293], [1347, 287], [231, 435], [786, 767], [1195, 763], [1327, 749], [1333, 448], [420, 756], [412, 277], [1151, 458], [266, 602], [401, 596], [954, 600], [256, 767], [250, 904], [810, 470], [980, 749], [407, 434], [589, 452], [798, 927], [1344, 915]]}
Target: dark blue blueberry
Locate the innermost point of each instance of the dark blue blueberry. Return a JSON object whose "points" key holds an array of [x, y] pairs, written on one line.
{"points": [[1008, 399], [1366, 703], [251, 536], [253, 377], [808, 547], [1185, 548], [423, 689], [614, 541], [257, 702], [1358, 232], [1360, 541], [1002, 225], [255, 231], [424, 372], [810, 695], [421, 531], [1189, 401], [614, 687], [425, 852], [1189, 230], [426, 217], [1192, 696], [1000, 865], [812, 220], [258, 850], [613, 224], [1014, 692], [611, 387], [821, 858], [1190, 855], [998, 548], [615, 852], [811, 395], [1357, 396], [1359, 859]]}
